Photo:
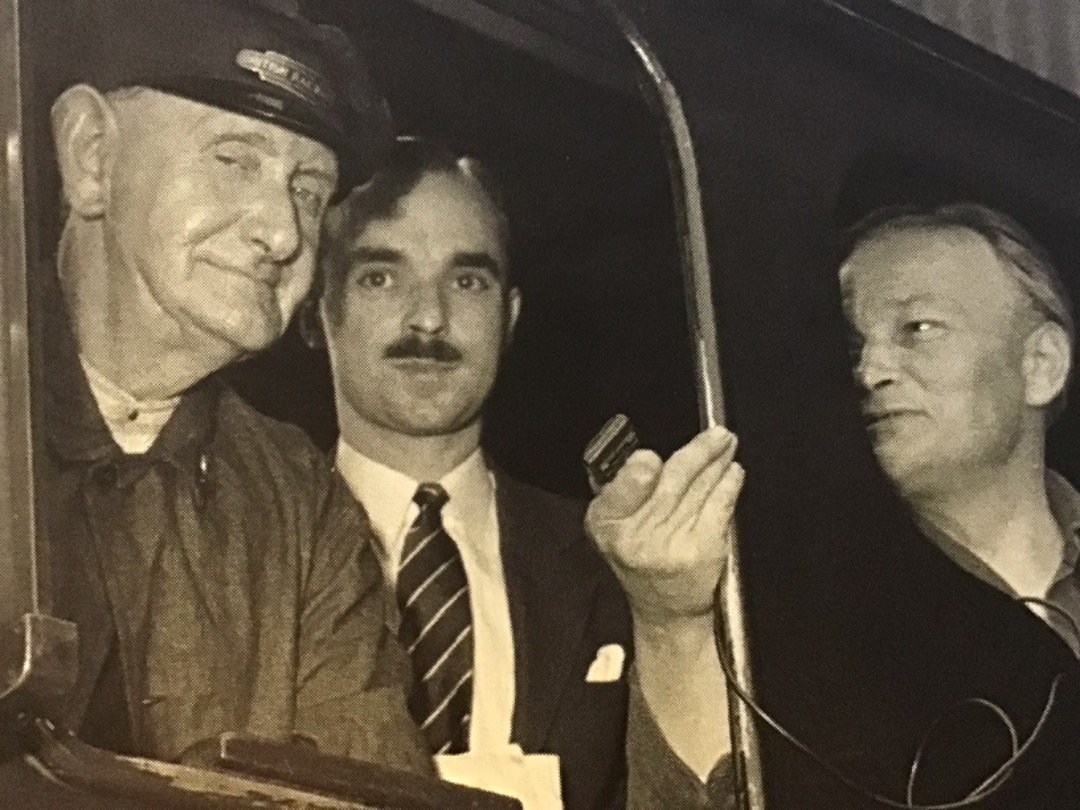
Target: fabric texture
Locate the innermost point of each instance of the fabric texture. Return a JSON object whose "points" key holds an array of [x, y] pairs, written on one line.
{"points": [[658, 778], [868, 685], [565, 607], [226, 572], [436, 626]]}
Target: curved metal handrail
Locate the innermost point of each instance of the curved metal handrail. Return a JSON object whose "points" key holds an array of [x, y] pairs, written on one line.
{"points": [[662, 95]]}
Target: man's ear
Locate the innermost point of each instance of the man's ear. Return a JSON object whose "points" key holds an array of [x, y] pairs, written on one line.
{"points": [[85, 133], [513, 310], [1047, 360]]}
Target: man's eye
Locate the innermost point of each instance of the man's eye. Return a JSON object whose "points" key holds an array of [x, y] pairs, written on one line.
{"points": [[855, 345], [472, 282], [373, 279], [235, 161], [922, 329], [309, 197]]}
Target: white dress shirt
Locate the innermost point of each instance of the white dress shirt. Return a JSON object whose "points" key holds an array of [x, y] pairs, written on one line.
{"points": [[134, 423], [470, 518]]}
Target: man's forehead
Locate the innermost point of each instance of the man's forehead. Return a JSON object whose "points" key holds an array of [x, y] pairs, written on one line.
{"points": [[382, 243], [451, 212], [923, 263]]}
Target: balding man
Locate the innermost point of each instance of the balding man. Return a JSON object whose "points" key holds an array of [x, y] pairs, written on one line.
{"points": [[962, 338], [517, 631]]}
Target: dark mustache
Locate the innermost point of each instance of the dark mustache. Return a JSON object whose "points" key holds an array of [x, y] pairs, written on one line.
{"points": [[414, 346]]}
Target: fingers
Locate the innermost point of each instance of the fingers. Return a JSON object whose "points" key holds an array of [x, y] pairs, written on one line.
{"points": [[700, 540], [719, 508], [705, 469], [690, 473], [664, 499], [665, 527]]}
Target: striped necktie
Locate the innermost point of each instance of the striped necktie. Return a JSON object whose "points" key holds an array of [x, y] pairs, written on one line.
{"points": [[436, 626]]}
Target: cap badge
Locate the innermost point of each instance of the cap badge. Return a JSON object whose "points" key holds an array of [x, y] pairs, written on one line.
{"points": [[286, 73]]}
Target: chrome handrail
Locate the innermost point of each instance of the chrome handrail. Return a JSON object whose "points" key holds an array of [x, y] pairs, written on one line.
{"points": [[663, 96], [38, 661]]}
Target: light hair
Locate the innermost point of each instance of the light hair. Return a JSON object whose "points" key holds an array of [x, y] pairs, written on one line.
{"points": [[1027, 261]]}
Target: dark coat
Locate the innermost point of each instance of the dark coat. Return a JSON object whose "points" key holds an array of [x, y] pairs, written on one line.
{"points": [[565, 604], [231, 583], [893, 655]]}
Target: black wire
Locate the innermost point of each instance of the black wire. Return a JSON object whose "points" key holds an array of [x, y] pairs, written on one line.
{"points": [[1001, 714], [987, 788]]}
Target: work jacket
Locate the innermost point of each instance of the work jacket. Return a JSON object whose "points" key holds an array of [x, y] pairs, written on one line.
{"points": [[222, 581]]}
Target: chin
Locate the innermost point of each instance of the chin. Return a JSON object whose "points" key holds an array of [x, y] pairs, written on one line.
{"points": [[257, 335], [432, 425]]}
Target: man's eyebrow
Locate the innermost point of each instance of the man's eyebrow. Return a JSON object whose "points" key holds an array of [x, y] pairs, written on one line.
{"points": [[930, 299], [478, 260], [374, 255], [308, 166], [256, 139]]}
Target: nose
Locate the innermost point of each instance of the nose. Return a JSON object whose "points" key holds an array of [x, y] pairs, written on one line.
{"points": [[427, 308], [273, 224], [875, 366]]}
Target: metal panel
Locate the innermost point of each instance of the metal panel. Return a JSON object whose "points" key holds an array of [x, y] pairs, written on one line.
{"points": [[38, 660], [17, 572], [564, 37], [1042, 36]]}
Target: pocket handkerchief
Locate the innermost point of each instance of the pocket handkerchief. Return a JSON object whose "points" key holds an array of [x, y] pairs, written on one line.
{"points": [[608, 665]]}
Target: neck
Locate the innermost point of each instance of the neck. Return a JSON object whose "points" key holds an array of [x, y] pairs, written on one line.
{"points": [[422, 458], [118, 327], [1003, 517]]}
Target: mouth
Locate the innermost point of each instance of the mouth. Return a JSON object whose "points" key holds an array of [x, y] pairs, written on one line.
{"points": [[424, 365], [882, 417], [263, 273]]}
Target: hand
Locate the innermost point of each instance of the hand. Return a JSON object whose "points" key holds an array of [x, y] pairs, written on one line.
{"points": [[665, 528]]}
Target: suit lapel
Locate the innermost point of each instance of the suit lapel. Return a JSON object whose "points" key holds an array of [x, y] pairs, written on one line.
{"points": [[551, 592]]}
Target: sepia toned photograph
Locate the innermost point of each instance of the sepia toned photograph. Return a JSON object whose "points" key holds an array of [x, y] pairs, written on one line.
{"points": [[539, 404]]}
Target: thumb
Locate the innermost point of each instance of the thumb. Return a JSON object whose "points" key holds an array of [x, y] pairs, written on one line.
{"points": [[629, 490]]}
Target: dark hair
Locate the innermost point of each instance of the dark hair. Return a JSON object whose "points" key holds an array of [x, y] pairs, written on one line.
{"points": [[410, 160], [1030, 264]]}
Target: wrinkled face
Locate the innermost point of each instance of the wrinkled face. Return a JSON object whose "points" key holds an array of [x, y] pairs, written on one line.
{"points": [[425, 312], [214, 218], [938, 329]]}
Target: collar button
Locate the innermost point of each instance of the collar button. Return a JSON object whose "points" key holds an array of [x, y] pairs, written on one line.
{"points": [[105, 476]]}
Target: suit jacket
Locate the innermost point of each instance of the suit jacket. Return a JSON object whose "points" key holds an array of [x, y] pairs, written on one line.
{"points": [[565, 604]]}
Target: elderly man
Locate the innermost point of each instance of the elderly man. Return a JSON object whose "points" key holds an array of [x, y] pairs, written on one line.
{"points": [[517, 631], [962, 338], [219, 579]]}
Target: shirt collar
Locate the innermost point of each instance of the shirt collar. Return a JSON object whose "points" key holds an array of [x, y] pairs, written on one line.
{"points": [[471, 489], [384, 492], [134, 423], [386, 495], [1064, 503]]}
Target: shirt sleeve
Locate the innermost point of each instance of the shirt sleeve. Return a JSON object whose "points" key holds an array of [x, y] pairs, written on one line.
{"points": [[351, 672], [658, 777]]}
